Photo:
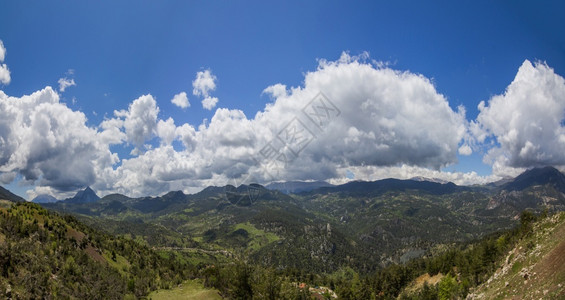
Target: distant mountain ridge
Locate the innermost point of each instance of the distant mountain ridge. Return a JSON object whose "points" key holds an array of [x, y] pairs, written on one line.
{"points": [[379, 187], [294, 187], [537, 176], [421, 178], [85, 196], [537, 188], [44, 198]]}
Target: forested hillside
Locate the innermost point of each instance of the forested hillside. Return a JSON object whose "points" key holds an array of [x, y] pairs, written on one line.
{"points": [[43, 255], [61, 257]]}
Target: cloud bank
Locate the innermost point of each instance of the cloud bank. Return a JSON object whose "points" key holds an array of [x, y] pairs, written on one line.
{"points": [[349, 118], [48, 143]]}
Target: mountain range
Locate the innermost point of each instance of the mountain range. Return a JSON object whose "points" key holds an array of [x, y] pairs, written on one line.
{"points": [[537, 176], [44, 198], [321, 225], [385, 228], [293, 187], [84, 196]]}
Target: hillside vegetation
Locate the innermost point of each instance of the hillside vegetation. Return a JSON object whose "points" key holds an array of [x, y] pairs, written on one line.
{"points": [[189, 290], [43, 254], [534, 268]]}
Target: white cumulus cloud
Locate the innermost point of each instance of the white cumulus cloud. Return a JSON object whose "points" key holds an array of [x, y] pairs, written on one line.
{"points": [[527, 121], [181, 100], [348, 115], [48, 143], [140, 120], [4, 71], [64, 83], [166, 131], [387, 119], [205, 83], [276, 90], [209, 102], [2, 51], [465, 150]]}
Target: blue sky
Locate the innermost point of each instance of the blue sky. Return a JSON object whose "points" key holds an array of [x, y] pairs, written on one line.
{"points": [[116, 52]]}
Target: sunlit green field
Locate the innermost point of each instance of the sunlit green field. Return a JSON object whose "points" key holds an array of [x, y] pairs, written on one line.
{"points": [[190, 289]]}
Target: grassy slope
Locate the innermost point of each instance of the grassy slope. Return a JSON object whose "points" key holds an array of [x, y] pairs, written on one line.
{"points": [[534, 269], [258, 238], [190, 289]]}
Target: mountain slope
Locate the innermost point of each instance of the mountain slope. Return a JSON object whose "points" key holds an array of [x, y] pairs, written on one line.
{"points": [[537, 176], [538, 188], [7, 195], [534, 268], [44, 255]]}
